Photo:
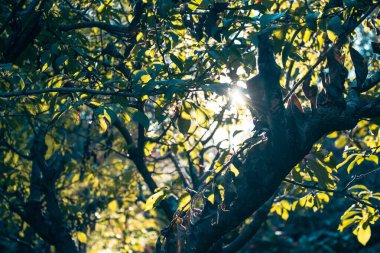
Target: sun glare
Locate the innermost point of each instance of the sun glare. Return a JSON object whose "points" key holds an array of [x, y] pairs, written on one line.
{"points": [[237, 97], [237, 94]]}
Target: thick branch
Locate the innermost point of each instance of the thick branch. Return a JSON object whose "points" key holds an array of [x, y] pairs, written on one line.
{"points": [[50, 226], [371, 82]]}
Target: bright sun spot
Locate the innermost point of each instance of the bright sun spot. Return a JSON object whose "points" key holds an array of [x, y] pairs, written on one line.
{"points": [[236, 95]]}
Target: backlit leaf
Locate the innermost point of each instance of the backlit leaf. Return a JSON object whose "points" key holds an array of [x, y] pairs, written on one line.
{"points": [[82, 237], [364, 234]]}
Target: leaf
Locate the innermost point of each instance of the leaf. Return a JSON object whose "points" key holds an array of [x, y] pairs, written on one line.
{"points": [[268, 18], [113, 205], [287, 48], [373, 158], [141, 118], [340, 142], [311, 20], [321, 173], [145, 78], [82, 237], [348, 158], [234, 170], [193, 5], [184, 124], [177, 61], [217, 88], [21, 82], [323, 197], [154, 200], [110, 115], [375, 47], [139, 36], [364, 234], [44, 67], [102, 123], [360, 64], [352, 164], [335, 25], [346, 223]]}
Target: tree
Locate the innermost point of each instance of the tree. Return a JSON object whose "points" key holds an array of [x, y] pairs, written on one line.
{"points": [[115, 113]]}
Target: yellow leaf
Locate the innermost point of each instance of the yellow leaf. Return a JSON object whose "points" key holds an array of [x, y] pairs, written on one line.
{"points": [[44, 67], [95, 103], [76, 178], [82, 237], [364, 234], [139, 36], [113, 205], [332, 36], [373, 158], [341, 142], [101, 8], [184, 202], [153, 200], [286, 205], [102, 123], [145, 78], [310, 201], [323, 197], [333, 135], [194, 4], [234, 170], [285, 214]]}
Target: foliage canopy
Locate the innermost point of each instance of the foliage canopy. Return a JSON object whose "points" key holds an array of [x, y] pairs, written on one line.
{"points": [[125, 124]]}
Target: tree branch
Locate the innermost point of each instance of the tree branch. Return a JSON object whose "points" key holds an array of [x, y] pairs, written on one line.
{"points": [[119, 29], [65, 90], [343, 193], [371, 82], [136, 154]]}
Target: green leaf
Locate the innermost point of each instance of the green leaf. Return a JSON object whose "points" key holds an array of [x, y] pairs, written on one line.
{"points": [[321, 173], [287, 48], [184, 124], [268, 18], [311, 20], [177, 61], [62, 60], [217, 88], [360, 64], [335, 25], [141, 118]]}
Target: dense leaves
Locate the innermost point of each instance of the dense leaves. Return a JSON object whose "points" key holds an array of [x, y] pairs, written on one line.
{"points": [[121, 121]]}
